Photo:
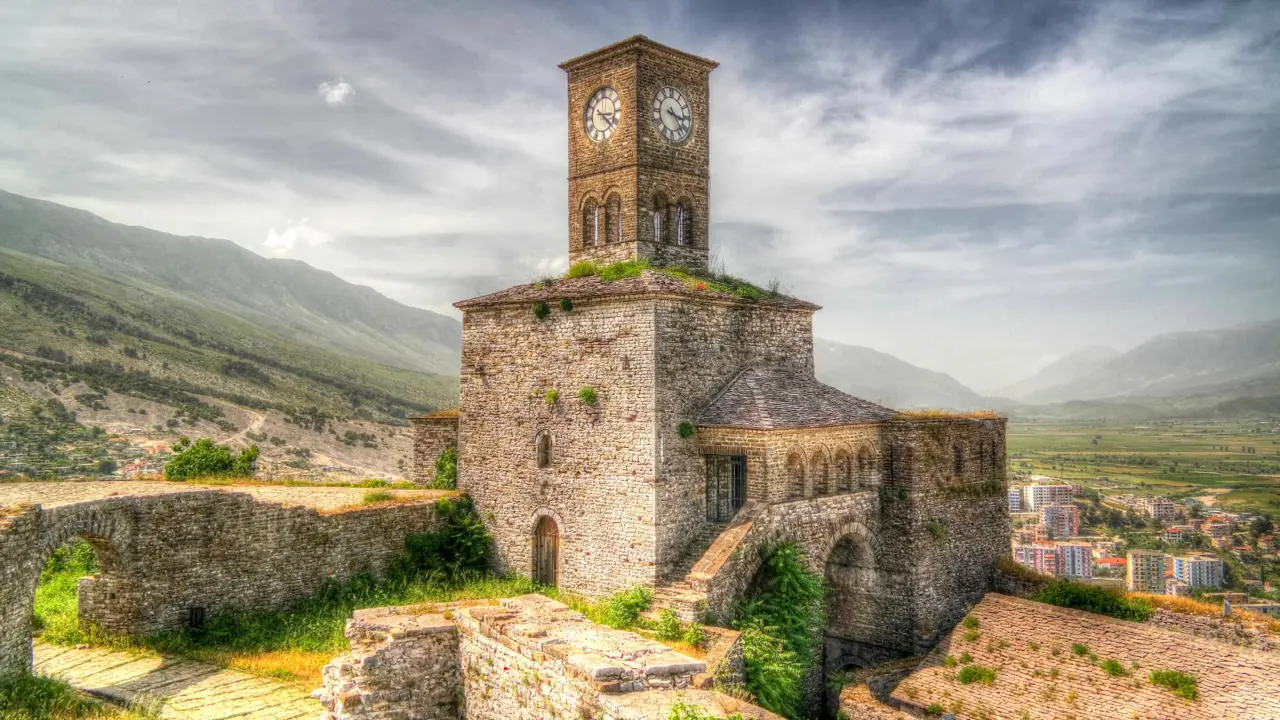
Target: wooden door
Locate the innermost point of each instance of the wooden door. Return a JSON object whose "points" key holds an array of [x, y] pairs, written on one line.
{"points": [[546, 552]]}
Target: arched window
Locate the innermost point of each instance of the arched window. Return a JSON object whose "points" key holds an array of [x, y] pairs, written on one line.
{"points": [[595, 225], [866, 468], [795, 476], [957, 465], [682, 237], [844, 471], [590, 216], [659, 217], [542, 447], [821, 473], [613, 219]]}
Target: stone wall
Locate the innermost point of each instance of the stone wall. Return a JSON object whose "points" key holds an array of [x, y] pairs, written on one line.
{"points": [[432, 435], [599, 486], [160, 556], [527, 657], [700, 348]]}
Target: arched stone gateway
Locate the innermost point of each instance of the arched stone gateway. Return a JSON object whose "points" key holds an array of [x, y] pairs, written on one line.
{"points": [[168, 555]]}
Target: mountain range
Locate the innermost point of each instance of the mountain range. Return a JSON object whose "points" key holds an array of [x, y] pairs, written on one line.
{"points": [[322, 341]]}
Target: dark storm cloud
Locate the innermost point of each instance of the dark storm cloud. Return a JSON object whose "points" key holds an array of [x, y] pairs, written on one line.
{"points": [[972, 185]]}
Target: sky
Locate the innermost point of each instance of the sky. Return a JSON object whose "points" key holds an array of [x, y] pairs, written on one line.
{"points": [[975, 187]]}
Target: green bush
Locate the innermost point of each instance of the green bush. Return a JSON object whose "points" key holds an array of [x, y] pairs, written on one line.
{"points": [[694, 635], [1113, 668], [540, 310], [587, 395], [685, 429], [668, 627], [935, 529], [622, 610], [623, 270], [1065, 593], [582, 268], [1079, 649], [780, 620], [552, 396], [457, 552], [377, 496], [204, 459], [970, 674], [566, 304], [1179, 682], [446, 466], [972, 622]]}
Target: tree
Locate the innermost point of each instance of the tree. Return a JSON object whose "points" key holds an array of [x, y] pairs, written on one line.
{"points": [[204, 459], [106, 466], [1260, 526]]}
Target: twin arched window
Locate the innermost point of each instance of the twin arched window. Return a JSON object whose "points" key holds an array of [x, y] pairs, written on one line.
{"points": [[602, 224], [671, 222]]}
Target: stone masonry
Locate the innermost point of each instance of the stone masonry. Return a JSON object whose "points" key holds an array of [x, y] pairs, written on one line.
{"points": [[527, 657], [432, 435], [167, 554]]}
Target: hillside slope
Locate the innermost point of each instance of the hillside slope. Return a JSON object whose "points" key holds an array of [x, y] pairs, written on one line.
{"points": [[884, 379], [1063, 370], [1182, 364], [289, 298]]}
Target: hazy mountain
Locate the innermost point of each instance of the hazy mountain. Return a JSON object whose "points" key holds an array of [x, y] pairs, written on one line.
{"points": [[1182, 364], [883, 378], [1064, 370], [287, 297]]}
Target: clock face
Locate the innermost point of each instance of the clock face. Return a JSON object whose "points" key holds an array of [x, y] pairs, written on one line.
{"points": [[602, 113], [672, 115]]}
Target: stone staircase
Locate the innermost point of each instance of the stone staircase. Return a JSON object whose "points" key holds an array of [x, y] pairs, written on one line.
{"points": [[674, 592]]}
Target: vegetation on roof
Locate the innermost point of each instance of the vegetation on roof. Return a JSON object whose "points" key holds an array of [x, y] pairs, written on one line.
{"points": [[696, 280], [1094, 599], [940, 414]]}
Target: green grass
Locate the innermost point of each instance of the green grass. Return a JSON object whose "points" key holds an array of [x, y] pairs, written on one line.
{"points": [[970, 674], [32, 697], [377, 496], [1091, 598], [698, 280], [1113, 668], [1179, 460], [1182, 683]]}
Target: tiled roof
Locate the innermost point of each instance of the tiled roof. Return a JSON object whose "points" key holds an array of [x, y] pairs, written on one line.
{"points": [[768, 398], [1037, 674], [649, 282]]}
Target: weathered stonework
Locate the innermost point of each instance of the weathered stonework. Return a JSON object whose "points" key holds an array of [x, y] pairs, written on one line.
{"points": [[527, 657], [432, 435], [162, 555]]}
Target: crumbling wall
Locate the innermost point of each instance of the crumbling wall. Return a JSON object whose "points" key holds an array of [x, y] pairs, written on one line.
{"points": [[527, 657], [161, 556], [432, 435]]}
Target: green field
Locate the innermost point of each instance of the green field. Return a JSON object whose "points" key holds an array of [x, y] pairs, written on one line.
{"points": [[1231, 464]]}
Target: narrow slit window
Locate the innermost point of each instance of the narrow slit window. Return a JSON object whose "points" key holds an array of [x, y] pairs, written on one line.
{"points": [[680, 240]]}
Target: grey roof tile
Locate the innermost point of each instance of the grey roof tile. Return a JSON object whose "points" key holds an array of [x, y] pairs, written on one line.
{"points": [[768, 398]]}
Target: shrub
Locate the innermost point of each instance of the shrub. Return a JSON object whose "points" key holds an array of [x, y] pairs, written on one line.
{"points": [[965, 658], [680, 711], [934, 710], [540, 310], [587, 395], [552, 396], [779, 620], [582, 268], [446, 476], [566, 304], [935, 529], [623, 269], [694, 635], [950, 661], [668, 627], [1065, 593], [622, 610], [377, 496], [1179, 682], [204, 459], [1079, 649], [1113, 668], [972, 621], [685, 429], [976, 673], [972, 635], [458, 551]]}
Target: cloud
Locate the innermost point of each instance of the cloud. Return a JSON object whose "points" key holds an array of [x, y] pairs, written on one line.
{"points": [[969, 185], [335, 92], [294, 234]]}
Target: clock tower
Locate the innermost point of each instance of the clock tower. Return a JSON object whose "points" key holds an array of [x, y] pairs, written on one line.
{"points": [[639, 153]]}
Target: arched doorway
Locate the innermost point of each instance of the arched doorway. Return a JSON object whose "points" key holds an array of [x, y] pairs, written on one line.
{"points": [[546, 552]]}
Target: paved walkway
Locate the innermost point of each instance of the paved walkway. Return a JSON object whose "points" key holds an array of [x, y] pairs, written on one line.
{"points": [[189, 690]]}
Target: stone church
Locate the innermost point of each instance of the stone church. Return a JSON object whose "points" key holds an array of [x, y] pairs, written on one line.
{"points": [[662, 428]]}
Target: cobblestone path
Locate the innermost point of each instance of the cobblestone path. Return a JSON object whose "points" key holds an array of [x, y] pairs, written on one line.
{"points": [[188, 690]]}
